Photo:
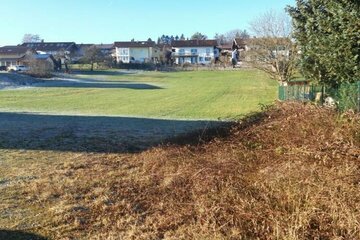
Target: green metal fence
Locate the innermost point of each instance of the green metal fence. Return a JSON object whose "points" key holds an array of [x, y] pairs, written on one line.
{"points": [[347, 95], [299, 92]]}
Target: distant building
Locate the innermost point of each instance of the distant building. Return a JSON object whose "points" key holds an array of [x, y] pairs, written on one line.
{"points": [[107, 49], [256, 48], [14, 55], [195, 51], [60, 50], [81, 50], [137, 52], [46, 58]]}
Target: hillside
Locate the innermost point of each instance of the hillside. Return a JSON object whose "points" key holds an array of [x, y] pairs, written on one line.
{"points": [[292, 172]]}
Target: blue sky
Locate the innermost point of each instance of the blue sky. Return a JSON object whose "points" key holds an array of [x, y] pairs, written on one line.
{"points": [[106, 21]]}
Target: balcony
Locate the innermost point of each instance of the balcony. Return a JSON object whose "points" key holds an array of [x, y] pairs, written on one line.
{"points": [[185, 54]]}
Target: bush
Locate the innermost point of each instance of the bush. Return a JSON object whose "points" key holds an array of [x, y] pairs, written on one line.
{"points": [[40, 68]]}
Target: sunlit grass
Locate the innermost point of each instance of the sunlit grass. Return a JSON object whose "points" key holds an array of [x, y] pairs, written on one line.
{"points": [[192, 95]]}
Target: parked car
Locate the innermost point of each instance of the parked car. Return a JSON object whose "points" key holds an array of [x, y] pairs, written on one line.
{"points": [[18, 68], [3, 68]]}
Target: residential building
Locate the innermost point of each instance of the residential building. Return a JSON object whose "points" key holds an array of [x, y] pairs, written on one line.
{"points": [[48, 59], [60, 50], [82, 49], [107, 49], [14, 55], [256, 48], [195, 51], [137, 52]]}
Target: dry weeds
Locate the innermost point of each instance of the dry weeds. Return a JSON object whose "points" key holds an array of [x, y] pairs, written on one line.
{"points": [[292, 172]]}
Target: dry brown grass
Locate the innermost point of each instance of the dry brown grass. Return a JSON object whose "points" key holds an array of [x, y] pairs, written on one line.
{"points": [[292, 172]]}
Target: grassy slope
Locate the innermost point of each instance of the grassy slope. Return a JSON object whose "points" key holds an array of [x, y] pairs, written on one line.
{"points": [[205, 94]]}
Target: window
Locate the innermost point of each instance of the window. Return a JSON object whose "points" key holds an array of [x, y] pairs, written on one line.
{"points": [[208, 50], [124, 51], [207, 59], [201, 59], [193, 51], [182, 51]]}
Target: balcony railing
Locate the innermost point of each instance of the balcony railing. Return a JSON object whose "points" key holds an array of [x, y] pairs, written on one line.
{"points": [[185, 54]]}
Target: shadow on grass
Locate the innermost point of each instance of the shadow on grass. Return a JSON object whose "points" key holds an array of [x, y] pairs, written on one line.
{"points": [[94, 80], [19, 235], [91, 83], [104, 72], [94, 133]]}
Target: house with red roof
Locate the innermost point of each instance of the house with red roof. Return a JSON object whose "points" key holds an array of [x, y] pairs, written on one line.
{"points": [[195, 51]]}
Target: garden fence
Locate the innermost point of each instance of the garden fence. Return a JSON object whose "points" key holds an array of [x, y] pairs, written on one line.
{"points": [[347, 95]]}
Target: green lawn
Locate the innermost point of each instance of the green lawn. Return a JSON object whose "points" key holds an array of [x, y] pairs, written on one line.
{"points": [[186, 95]]}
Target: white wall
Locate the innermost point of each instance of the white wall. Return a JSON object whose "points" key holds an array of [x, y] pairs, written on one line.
{"points": [[139, 54], [122, 54], [204, 54]]}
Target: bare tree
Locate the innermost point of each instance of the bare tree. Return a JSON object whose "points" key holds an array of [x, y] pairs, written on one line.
{"points": [[93, 55], [272, 50], [236, 33], [220, 38], [31, 38]]}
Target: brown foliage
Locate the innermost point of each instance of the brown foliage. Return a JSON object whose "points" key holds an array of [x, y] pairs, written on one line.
{"points": [[292, 172]]}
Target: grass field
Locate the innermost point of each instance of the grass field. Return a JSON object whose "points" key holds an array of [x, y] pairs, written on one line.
{"points": [[96, 118], [185, 95]]}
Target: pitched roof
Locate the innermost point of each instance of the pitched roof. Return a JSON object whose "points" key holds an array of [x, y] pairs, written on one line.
{"points": [[13, 50], [49, 46], [278, 40], [194, 43], [85, 45], [104, 46], [136, 44], [225, 47], [43, 56]]}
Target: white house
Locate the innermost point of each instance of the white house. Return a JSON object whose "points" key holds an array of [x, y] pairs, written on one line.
{"points": [[137, 52], [195, 51]]}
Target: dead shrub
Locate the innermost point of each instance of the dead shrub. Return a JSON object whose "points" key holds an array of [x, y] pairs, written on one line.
{"points": [[292, 172]]}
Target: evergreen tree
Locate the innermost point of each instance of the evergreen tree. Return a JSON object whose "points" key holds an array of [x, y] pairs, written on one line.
{"points": [[198, 36], [328, 35]]}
